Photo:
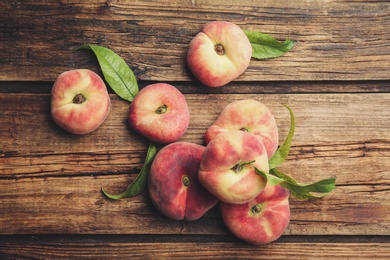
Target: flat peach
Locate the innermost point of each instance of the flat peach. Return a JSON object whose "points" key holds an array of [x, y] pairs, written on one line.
{"points": [[262, 220], [174, 187], [160, 113], [219, 53], [227, 167], [79, 101], [247, 115]]}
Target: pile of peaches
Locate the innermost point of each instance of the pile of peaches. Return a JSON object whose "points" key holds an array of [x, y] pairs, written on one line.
{"points": [[186, 180]]}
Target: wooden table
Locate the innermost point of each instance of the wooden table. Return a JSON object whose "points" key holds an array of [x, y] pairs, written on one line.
{"points": [[336, 79]]}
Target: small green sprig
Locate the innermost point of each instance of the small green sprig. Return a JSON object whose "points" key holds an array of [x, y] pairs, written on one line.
{"points": [[141, 181], [275, 176]]}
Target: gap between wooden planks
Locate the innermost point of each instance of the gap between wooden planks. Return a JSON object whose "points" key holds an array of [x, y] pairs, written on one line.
{"points": [[51, 180], [194, 250], [334, 39]]}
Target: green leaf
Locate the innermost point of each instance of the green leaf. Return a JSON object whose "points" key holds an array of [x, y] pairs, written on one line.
{"points": [[303, 191], [299, 191], [281, 154], [265, 46], [273, 180], [141, 181], [116, 72], [285, 177]]}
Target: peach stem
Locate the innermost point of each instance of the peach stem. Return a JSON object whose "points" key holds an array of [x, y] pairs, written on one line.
{"points": [[186, 180], [239, 166], [219, 49], [245, 129], [162, 109], [79, 98], [257, 208]]}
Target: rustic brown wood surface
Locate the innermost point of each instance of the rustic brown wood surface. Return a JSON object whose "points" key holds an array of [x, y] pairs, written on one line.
{"points": [[340, 40], [336, 80]]}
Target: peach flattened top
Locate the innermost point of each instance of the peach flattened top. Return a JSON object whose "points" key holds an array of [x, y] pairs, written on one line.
{"points": [[226, 168], [264, 226], [73, 82], [275, 215], [210, 68], [92, 108], [165, 184], [231, 147], [237, 46], [160, 113], [220, 154], [249, 115], [174, 197]]}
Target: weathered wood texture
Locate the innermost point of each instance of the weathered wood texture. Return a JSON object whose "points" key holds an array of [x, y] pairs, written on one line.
{"points": [[336, 80], [341, 40], [49, 177], [179, 250]]}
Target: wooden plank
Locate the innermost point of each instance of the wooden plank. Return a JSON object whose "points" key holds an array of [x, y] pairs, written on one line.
{"points": [[321, 119], [336, 80], [182, 250], [271, 87], [335, 39], [74, 205], [49, 178]]}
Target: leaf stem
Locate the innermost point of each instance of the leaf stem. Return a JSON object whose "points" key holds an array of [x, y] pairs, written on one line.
{"points": [[141, 181]]}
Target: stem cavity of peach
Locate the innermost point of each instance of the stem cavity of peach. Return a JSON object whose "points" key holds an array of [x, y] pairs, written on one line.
{"points": [[256, 209], [79, 99], [162, 110], [245, 129], [239, 166], [219, 49], [186, 180]]}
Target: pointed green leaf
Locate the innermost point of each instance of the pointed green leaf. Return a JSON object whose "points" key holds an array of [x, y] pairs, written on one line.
{"points": [[285, 177], [273, 180], [141, 181], [281, 154], [298, 191], [265, 46], [116, 72], [303, 191]]}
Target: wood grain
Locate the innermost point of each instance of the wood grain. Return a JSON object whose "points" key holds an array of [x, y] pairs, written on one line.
{"points": [[49, 177], [320, 118], [180, 250], [334, 39], [336, 80], [57, 205], [270, 87]]}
